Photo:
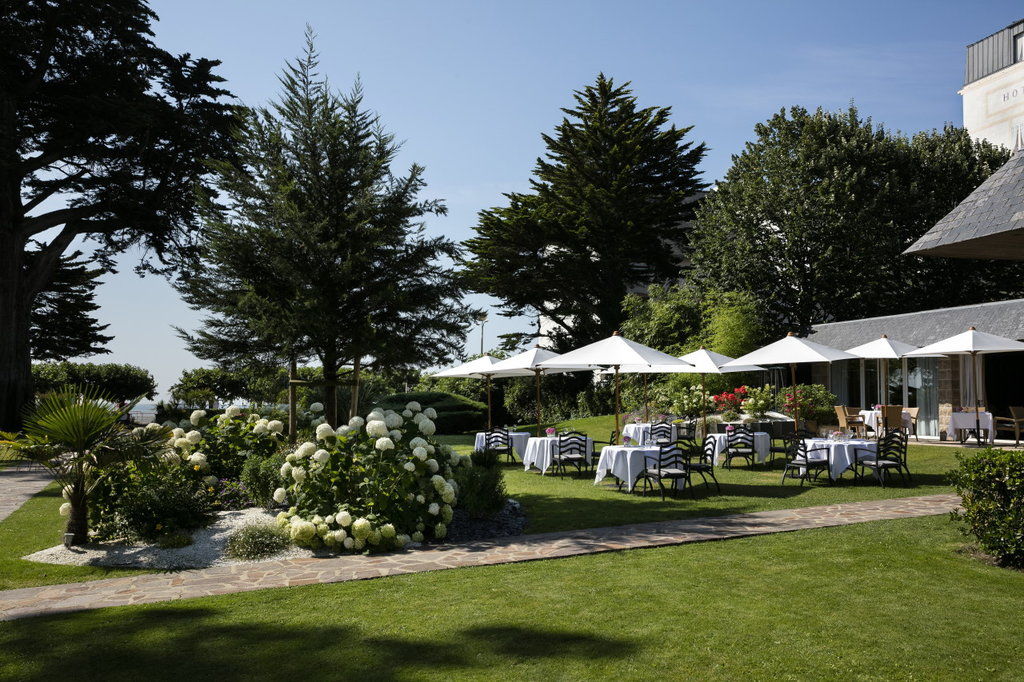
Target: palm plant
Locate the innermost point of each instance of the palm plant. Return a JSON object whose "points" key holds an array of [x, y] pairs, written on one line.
{"points": [[77, 435]]}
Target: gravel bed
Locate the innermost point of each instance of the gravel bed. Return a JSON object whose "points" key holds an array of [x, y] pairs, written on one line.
{"points": [[207, 548]]}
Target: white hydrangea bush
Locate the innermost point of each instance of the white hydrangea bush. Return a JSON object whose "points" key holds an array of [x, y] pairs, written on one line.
{"points": [[216, 448], [374, 484]]}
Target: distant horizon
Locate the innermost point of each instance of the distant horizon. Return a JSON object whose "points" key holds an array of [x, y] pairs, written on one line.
{"points": [[472, 86]]}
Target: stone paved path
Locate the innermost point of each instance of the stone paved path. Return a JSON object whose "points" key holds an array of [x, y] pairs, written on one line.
{"points": [[155, 587], [16, 486]]}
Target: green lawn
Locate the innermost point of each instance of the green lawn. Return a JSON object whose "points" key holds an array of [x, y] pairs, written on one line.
{"points": [[886, 600]]}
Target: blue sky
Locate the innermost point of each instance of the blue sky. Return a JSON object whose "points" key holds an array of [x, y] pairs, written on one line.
{"points": [[470, 86]]}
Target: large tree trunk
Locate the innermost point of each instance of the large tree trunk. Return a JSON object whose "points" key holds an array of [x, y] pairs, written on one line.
{"points": [[353, 409], [15, 357], [330, 369]]}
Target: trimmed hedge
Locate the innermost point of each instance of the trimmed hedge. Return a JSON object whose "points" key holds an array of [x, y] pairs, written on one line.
{"points": [[455, 413], [991, 483]]}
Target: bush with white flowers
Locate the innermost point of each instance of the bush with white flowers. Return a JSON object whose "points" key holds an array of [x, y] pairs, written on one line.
{"points": [[374, 484], [223, 442]]}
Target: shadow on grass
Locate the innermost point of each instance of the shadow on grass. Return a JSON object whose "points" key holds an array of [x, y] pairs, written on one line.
{"points": [[168, 643]]}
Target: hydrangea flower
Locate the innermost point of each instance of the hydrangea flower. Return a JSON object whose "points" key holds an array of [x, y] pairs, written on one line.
{"points": [[259, 429], [434, 509], [232, 411], [418, 417], [395, 435], [407, 413], [356, 422], [376, 428], [358, 544], [420, 453], [321, 456], [340, 536], [409, 466], [198, 459], [427, 427], [374, 537], [343, 518], [417, 536], [430, 413], [393, 421], [324, 431], [305, 450], [280, 495], [401, 540], [299, 474], [387, 530], [348, 542], [178, 432], [276, 426], [440, 530], [193, 437], [384, 444], [417, 442], [153, 426], [316, 407], [421, 499], [181, 443], [432, 465], [448, 494], [361, 528], [447, 513], [412, 405], [302, 531], [65, 509], [343, 430], [290, 458], [197, 416]]}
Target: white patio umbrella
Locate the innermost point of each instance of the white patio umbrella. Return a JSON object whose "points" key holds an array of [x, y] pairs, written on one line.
{"points": [[708, 362], [791, 350], [972, 343], [614, 352], [880, 349], [527, 363], [480, 368]]}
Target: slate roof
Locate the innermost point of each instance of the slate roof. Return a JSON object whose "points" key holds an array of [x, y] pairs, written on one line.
{"points": [[1002, 318], [989, 223]]}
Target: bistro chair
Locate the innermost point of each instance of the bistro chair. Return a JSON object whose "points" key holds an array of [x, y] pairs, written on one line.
{"points": [[686, 430], [1012, 423], [777, 433], [705, 461], [661, 432], [499, 440], [913, 412], [802, 462], [571, 450], [892, 417], [850, 419], [596, 446], [890, 456], [670, 464], [739, 443]]}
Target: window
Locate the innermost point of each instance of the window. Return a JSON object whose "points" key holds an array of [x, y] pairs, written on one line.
{"points": [[1018, 48]]}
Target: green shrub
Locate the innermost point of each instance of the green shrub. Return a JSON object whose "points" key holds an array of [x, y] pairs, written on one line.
{"points": [[148, 500], [991, 483], [262, 476], [816, 403], [455, 413], [257, 541], [482, 486]]}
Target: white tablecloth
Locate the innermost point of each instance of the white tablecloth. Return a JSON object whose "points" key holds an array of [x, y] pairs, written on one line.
{"points": [[519, 441], [762, 445], [540, 450], [874, 417], [965, 420], [626, 462], [841, 453], [641, 433]]}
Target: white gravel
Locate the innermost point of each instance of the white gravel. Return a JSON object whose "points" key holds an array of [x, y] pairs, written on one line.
{"points": [[207, 548]]}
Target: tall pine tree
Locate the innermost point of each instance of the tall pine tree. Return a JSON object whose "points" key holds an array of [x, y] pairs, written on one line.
{"points": [[607, 214], [63, 321]]}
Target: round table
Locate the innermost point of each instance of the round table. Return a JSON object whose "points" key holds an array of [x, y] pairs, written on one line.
{"points": [[518, 438], [539, 452], [841, 454], [627, 462], [640, 434], [762, 445], [873, 418], [965, 421]]}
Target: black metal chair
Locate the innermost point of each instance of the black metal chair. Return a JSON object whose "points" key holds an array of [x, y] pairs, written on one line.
{"points": [[705, 460], [800, 458], [670, 464], [739, 443], [778, 431], [499, 440], [661, 432], [686, 430], [596, 445], [891, 455], [572, 450]]}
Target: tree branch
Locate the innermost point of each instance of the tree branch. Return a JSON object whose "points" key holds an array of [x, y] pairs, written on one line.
{"points": [[62, 216], [41, 272]]}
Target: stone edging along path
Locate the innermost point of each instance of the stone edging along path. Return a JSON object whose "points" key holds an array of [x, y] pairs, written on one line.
{"points": [[156, 587]]}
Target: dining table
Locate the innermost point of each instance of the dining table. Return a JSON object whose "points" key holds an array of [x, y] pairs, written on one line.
{"points": [[964, 421], [519, 440], [762, 445], [841, 454], [873, 418], [627, 462], [640, 433], [540, 452]]}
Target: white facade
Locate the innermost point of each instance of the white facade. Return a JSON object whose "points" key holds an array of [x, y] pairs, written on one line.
{"points": [[994, 106]]}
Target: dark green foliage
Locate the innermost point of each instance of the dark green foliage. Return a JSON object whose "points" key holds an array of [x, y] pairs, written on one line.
{"points": [[812, 219], [205, 386], [614, 176], [482, 486], [564, 396], [148, 500], [121, 382], [316, 249], [455, 414], [175, 540], [991, 483], [257, 541], [105, 136], [63, 314], [261, 476], [233, 495]]}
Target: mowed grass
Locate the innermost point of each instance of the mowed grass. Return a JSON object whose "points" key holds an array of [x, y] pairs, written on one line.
{"points": [[885, 600], [574, 502]]}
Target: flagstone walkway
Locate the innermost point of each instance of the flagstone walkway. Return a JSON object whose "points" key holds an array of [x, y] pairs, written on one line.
{"points": [[156, 587], [17, 485]]}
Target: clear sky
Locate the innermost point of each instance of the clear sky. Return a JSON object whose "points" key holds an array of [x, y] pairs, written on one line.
{"points": [[471, 85]]}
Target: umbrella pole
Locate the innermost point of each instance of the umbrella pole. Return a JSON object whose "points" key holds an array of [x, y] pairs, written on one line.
{"points": [[536, 373], [490, 424], [616, 403], [704, 404], [977, 398], [647, 416], [796, 402]]}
